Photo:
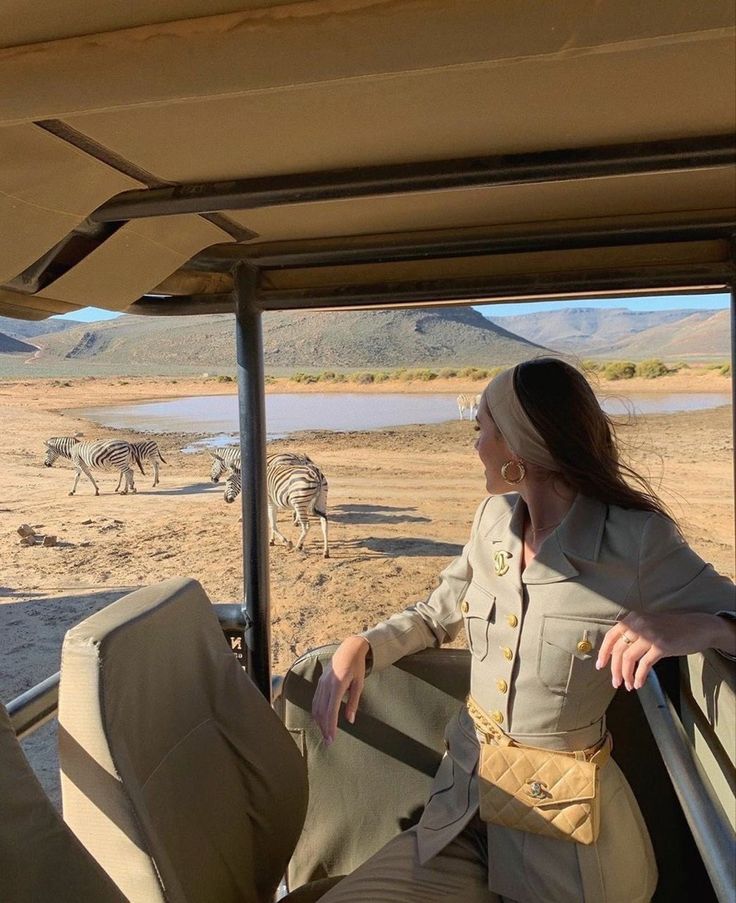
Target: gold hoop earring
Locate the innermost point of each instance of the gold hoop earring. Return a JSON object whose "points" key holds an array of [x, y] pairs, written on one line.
{"points": [[505, 472]]}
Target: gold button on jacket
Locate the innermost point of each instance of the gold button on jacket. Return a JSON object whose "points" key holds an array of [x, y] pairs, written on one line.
{"points": [[501, 686], [512, 620], [600, 563]]}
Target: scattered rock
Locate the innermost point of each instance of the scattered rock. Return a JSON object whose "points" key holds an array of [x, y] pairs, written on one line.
{"points": [[87, 522], [29, 537]]}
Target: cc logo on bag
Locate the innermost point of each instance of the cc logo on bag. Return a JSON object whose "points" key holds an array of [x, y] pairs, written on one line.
{"points": [[537, 789], [501, 562]]}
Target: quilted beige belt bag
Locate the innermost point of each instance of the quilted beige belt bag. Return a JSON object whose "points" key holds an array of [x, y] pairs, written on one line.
{"points": [[543, 791]]}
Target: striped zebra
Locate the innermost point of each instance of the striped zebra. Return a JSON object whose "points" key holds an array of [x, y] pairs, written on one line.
{"points": [[104, 454], [145, 450], [293, 481], [469, 403], [224, 460]]}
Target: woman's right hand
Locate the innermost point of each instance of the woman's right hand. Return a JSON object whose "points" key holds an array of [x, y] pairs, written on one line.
{"points": [[345, 673]]}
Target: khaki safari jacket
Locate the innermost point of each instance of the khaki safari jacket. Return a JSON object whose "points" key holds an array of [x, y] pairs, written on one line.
{"points": [[534, 638]]}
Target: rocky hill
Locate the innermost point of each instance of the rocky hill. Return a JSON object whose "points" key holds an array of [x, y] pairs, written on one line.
{"points": [[619, 332], [293, 341], [10, 345], [27, 329]]}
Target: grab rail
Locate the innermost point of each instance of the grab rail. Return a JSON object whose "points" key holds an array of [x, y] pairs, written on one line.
{"points": [[35, 707], [705, 816]]}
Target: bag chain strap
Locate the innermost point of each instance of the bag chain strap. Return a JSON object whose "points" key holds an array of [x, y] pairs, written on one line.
{"points": [[492, 731]]}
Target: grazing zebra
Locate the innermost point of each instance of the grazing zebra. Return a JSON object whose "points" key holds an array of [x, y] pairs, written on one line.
{"points": [[225, 459], [293, 481], [469, 403], [105, 454], [146, 450]]}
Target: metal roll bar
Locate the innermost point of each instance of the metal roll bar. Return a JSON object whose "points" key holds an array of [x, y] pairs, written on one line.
{"points": [[706, 819]]}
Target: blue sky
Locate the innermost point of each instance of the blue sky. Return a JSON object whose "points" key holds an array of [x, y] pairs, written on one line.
{"points": [[651, 302]]}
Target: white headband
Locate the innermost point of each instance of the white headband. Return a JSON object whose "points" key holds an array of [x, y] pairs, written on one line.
{"points": [[512, 420]]}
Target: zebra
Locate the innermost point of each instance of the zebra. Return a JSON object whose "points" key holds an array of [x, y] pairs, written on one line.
{"points": [[470, 403], [225, 459], [293, 481], [104, 454], [146, 450]]}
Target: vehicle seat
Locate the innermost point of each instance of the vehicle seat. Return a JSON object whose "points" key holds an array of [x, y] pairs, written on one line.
{"points": [[40, 858], [176, 773], [371, 783]]}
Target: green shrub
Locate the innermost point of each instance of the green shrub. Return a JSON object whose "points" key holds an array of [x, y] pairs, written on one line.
{"points": [[651, 368], [725, 369], [590, 366], [327, 376], [619, 370], [383, 377], [225, 379], [363, 379], [425, 375], [448, 373], [305, 378]]}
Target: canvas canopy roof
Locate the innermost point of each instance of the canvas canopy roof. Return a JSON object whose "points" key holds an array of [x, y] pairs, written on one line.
{"points": [[362, 151]]}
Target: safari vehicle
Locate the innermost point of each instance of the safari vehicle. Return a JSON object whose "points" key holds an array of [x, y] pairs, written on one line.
{"points": [[246, 156]]}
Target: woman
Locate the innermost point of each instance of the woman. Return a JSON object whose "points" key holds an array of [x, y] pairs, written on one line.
{"points": [[568, 566]]}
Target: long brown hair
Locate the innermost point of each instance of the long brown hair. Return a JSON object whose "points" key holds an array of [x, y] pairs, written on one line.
{"points": [[580, 436]]}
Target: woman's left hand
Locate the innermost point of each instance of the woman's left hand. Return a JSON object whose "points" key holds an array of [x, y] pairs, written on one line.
{"points": [[639, 640]]}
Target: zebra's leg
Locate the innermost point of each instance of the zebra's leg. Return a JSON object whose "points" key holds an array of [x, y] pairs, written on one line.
{"points": [[323, 524], [76, 480], [302, 518], [127, 472], [120, 480], [82, 468], [155, 473], [274, 529]]}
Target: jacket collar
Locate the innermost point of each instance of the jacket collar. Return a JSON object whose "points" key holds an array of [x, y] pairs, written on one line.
{"points": [[578, 537]]}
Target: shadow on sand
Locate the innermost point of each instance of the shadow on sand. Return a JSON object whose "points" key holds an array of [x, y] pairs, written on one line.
{"points": [[373, 514], [412, 548]]}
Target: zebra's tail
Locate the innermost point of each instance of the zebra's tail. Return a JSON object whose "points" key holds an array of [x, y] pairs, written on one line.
{"points": [[320, 503], [161, 456], [140, 465]]}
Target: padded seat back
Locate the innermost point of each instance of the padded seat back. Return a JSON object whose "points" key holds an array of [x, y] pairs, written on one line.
{"points": [[373, 781], [176, 773], [40, 858]]}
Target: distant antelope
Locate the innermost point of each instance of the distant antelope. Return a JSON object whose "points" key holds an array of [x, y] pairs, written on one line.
{"points": [[146, 450], [105, 454], [469, 403], [293, 481]]}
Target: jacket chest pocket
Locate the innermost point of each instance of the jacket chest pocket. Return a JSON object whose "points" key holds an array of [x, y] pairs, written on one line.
{"points": [[568, 649], [478, 608]]}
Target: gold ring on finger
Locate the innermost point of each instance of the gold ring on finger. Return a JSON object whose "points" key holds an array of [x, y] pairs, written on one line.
{"points": [[627, 639]]}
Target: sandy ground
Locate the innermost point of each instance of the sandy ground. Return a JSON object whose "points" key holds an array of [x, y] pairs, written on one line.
{"points": [[400, 505]]}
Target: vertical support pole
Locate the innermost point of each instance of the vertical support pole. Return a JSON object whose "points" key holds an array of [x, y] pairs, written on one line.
{"points": [[733, 382], [252, 419]]}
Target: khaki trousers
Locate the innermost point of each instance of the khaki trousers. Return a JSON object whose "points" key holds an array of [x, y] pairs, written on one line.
{"points": [[394, 875]]}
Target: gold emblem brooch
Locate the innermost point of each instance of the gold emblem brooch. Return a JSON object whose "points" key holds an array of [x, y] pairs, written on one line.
{"points": [[501, 562]]}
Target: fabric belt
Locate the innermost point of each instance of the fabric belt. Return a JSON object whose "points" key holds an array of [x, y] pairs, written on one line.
{"points": [[492, 733]]}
